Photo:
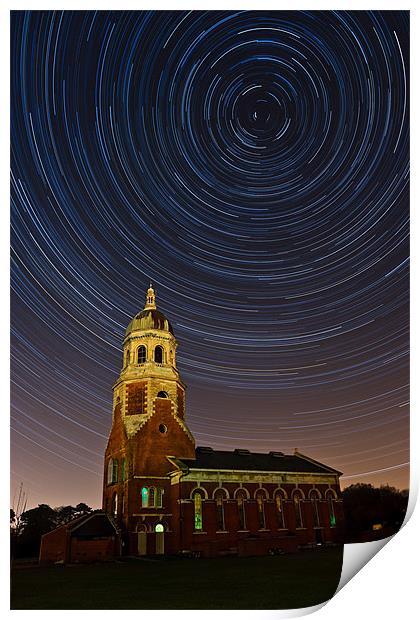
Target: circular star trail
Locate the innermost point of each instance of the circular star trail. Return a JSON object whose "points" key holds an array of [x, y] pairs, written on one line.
{"points": [[254, 167]]}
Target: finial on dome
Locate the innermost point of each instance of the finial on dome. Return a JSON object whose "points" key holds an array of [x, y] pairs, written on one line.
{"points": [[150, 299]]}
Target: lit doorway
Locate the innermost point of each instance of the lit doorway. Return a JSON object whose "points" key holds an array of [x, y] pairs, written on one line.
{"points": [[160, 539]]}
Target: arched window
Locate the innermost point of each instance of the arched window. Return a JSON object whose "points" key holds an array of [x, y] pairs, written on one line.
{"points": [[241, 498], [279, 508], [127, 357], [159, 354], [314, 497], [220, 496], [159, 527], [123, 470], [115, 471], [260, 496], [110, 471], [159, 493], [198, 509], [141, 354], [152, 497], [330, 497], [114, 506], [297, 499], [162, 394], [144, 497]]}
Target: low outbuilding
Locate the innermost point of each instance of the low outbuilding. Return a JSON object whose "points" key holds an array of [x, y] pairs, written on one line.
{"points": [[91, 538]]}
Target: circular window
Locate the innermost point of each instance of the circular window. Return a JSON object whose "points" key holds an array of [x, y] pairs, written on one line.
{"points": [[163, 428]]}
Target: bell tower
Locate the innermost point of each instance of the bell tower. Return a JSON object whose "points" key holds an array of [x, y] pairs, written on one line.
{"points": [[148, 422]]}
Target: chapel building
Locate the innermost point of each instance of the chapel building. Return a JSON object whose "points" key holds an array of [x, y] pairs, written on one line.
{"points": [[168, 496]]}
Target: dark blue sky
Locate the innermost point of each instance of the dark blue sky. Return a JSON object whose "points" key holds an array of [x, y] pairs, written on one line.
{"points": [[254, 167]]}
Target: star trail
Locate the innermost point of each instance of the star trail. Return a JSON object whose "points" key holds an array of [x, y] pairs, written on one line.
{"points": [[254, 167]]}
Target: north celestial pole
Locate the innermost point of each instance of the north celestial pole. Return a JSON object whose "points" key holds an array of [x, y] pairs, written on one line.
{"points": [[254, 167]]}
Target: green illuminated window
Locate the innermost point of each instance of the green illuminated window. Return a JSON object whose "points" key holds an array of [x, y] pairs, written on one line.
{"points": [[144, 497], [331, 512], [198, 513]]}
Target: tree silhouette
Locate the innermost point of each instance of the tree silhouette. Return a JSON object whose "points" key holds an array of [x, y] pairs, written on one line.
{"points": [[366, 506]]}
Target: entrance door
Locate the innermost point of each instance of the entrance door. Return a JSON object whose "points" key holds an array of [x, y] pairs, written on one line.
{"points": [[318, 537], [160, 539], [142, 543]]}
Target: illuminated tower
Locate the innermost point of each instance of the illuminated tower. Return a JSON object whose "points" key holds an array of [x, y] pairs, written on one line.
{"points": [[148, 419]]}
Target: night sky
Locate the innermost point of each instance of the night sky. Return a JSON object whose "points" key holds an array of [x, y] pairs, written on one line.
{"points": [[254, 167]]}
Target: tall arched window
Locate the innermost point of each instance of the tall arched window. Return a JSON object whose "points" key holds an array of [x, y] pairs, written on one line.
{"points": [[115, 471], [241, 498], [297, 499], [220, 496], [159, 497], [141, 354], [159, 354], [314, 497], [198, 510], [279, 508], [110, 471], [127, 357], [260, 496], [330, 497], [152, 497], [144, 497]]}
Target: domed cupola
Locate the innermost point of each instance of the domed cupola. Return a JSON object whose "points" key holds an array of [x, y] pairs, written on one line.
{"points": [[149, 317]]}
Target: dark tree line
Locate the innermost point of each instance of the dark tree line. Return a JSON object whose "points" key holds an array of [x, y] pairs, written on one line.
{"points": [[366, 507], [27, 528]]}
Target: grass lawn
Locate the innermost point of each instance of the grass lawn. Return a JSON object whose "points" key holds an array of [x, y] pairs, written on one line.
{"points": [[280, 582]]}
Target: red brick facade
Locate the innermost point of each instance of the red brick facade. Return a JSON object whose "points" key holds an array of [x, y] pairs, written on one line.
{"points": [[154, 477]]}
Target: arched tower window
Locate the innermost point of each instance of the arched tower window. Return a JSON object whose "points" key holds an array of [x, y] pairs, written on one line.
{"points": [[314, 497], [127, 357], [141, 354], [260, 496], [330, 497], [159, 354], [198, 509], [241, 498], [115, 471], [297, 499], [110, 471], [220, 496], [279, 508]]}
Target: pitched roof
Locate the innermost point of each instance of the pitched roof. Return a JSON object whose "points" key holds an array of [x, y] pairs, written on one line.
{"points": [[95, 523], [207, 458]]}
